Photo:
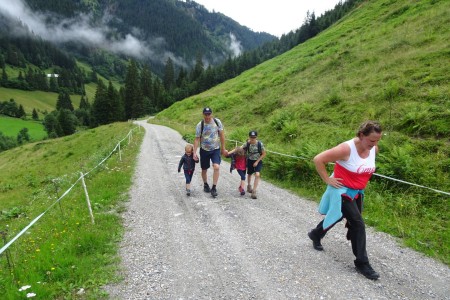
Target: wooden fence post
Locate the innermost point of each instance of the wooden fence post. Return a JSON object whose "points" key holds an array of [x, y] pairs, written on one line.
{"points": [[87, 198]]}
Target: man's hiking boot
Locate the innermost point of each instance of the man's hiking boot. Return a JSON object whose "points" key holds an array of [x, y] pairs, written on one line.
{"points": [[254, 194], [214, 192], [242, 191], [188, 192], [316, 241], [206, 188], [366, 270], [249, 188]]}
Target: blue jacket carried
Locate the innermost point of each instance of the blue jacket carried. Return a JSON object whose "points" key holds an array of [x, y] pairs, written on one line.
{"points": [[331, 203]]}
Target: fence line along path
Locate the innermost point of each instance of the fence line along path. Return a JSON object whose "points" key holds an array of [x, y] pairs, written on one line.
{"points": [[235, 247]]}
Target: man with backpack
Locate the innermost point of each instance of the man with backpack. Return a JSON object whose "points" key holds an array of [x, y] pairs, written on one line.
{"points": [[209, 135], [255, 154]]}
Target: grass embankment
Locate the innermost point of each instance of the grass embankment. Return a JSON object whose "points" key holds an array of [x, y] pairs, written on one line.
{"points": [[387, 60], [63, 252]]}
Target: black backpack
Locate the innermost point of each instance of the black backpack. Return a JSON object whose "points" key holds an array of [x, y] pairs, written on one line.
{"points": [[247, 147], [203, 125]]}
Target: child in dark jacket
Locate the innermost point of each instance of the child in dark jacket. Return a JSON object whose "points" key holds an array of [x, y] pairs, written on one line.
{"points": [[188, 163], [239, 162]]}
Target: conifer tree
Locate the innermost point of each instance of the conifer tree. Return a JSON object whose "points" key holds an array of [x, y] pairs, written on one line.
{"points": [[53, 84], [182, 78], [146, 82], [64, 101], [52, 125], [198, 69], [20, 112], [133, 101], [84, 103], [34, 114], [169, 75], [115, 104], [23, 136], [67, 121], [101, 109], [4, 80]]}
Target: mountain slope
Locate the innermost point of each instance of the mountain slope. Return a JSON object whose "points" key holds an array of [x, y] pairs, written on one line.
{"points": [[387, 60], [150, 30]]}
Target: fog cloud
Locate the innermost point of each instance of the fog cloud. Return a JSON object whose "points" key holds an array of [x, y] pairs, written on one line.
{"points": [[79, 29], [235, 45]]}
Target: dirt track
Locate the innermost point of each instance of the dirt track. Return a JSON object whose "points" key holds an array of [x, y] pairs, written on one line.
{"points": [[234, 247]]}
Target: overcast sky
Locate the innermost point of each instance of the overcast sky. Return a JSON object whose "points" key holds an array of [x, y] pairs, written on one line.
{"points": [[274, 17]]}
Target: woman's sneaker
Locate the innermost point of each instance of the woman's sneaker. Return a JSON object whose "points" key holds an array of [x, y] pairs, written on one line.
{"points": [[206, 188], [254, 194], [249, 188], [242, 191]]}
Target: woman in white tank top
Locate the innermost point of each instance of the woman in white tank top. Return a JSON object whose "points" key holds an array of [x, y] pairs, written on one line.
{"points": [[354, 165]]}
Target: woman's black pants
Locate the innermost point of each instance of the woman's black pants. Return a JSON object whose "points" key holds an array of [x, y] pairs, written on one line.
{"points": [[351, 211]]}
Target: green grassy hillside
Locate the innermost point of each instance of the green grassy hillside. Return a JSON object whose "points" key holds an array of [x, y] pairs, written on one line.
{"points": [[12, 126], [40, 100], [387, 60], [46, 101], [63, 252]]}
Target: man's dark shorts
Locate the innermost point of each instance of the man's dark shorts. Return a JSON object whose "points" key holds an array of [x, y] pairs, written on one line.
{"points": [[207, 156], [251, 169]]}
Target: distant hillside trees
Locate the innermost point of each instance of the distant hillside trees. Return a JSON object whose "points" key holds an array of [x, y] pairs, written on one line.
{"points": [[23, 51], [133, 100], [107, 107], [23, 136], [35, 115], [64, 101], [6, 142], [52, 126], [11, 109]]}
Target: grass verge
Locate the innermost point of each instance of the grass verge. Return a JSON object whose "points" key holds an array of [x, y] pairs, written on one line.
{"points": [[64, 255]]}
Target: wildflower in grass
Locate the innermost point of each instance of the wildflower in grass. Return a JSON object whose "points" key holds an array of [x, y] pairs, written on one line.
{"points": [[31, 295], [52, 268], [38, 250], [24, 288]]}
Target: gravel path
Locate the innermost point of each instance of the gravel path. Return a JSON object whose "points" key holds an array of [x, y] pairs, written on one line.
{"points": [[234, 247]]}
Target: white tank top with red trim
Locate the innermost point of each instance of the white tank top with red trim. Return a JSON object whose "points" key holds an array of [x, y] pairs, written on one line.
{"points": [[356, 171]]}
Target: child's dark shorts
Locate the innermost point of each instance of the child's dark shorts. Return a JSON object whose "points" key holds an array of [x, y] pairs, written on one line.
{"points": [[251, 169]]}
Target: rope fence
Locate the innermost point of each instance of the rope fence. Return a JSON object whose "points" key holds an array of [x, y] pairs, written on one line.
{"points": [[81, 178], [306, 158]]}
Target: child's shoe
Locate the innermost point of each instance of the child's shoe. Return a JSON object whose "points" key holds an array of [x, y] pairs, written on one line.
{"points": [[188, 192], [242, 191]]}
